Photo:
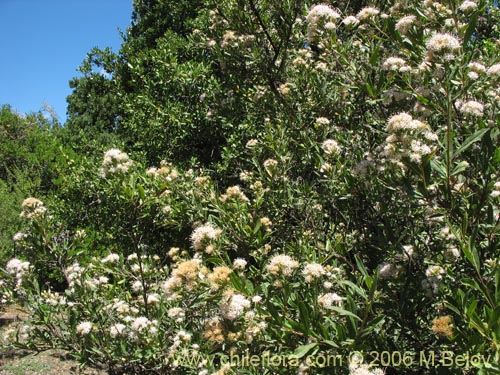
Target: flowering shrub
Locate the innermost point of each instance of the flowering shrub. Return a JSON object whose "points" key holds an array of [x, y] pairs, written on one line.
{"points": [[356, 209]]}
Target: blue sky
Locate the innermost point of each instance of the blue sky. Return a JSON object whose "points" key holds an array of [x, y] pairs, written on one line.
{"points": [[42, 43]]}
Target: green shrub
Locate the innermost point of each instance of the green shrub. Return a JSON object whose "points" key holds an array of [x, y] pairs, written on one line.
{"points": [[352, 209]]}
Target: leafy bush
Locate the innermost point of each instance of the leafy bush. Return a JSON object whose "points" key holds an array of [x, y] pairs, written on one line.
{"points": [[352, 208]]}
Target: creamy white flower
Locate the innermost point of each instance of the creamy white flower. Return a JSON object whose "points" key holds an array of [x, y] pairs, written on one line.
{"points": [[32, 208], [476, 67], [331, 147], [395, 64], [202, 235], [84, 328], [19, 236], [321, 12], [435, 271], [350, 21], [405, 23], [140, 324], [252, 143], [115, 161], [322, 121], [329, 299], [282, 264], [111, 258], [233, 306], [239, 264], [440, 43], [472, 108], [117, 330], [494, 70], [366, 13], [16, 267], [468, 6], [313, 271]]}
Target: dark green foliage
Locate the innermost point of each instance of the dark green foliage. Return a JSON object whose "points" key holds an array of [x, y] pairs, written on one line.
{"points": [[31, 160], [93, 105]]}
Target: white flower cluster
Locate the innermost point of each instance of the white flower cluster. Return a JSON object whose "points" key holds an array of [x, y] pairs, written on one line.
{"points": [[367, 13], [117, 329], [234, 193], [73, 274], [234, 306], [166, 170], [475, 69], [203, 235], [409, 138], [331, 147], [19, 236], [177, 314], [434, 276], [32, 208], [115, 161], [239, 264], [84, 328], [282, 265], [387, 271], [442, 44], [327, 300], [496, 190], [494, 70], [18, 269], [396, 64], [111, 259], [322, 121], [468, 6], [350, 22], [270, 166], [143, 325], [252, 143], [231, 39], [320, 17], [121, 308], [356, 368], [313, 271], [471, 108], [54, 299], [320, 12], [405, 24]]}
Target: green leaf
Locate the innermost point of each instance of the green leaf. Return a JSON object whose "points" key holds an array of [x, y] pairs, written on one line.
{"points": [[355, 288], [304, 316], [301, 351], [142, 194], [361, 266], [472, 284], [477, 136], [439, 167], [333, 344], [472, 255], [460, 167], [344, 312], [470, 29]]}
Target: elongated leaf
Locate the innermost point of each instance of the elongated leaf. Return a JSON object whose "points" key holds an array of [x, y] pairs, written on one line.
{"points": [[477, 136], [342, 311], [470, 29], [304, 316], [361, 266], [439, 167], [355, 288], [472, 284], [301, 351]]}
